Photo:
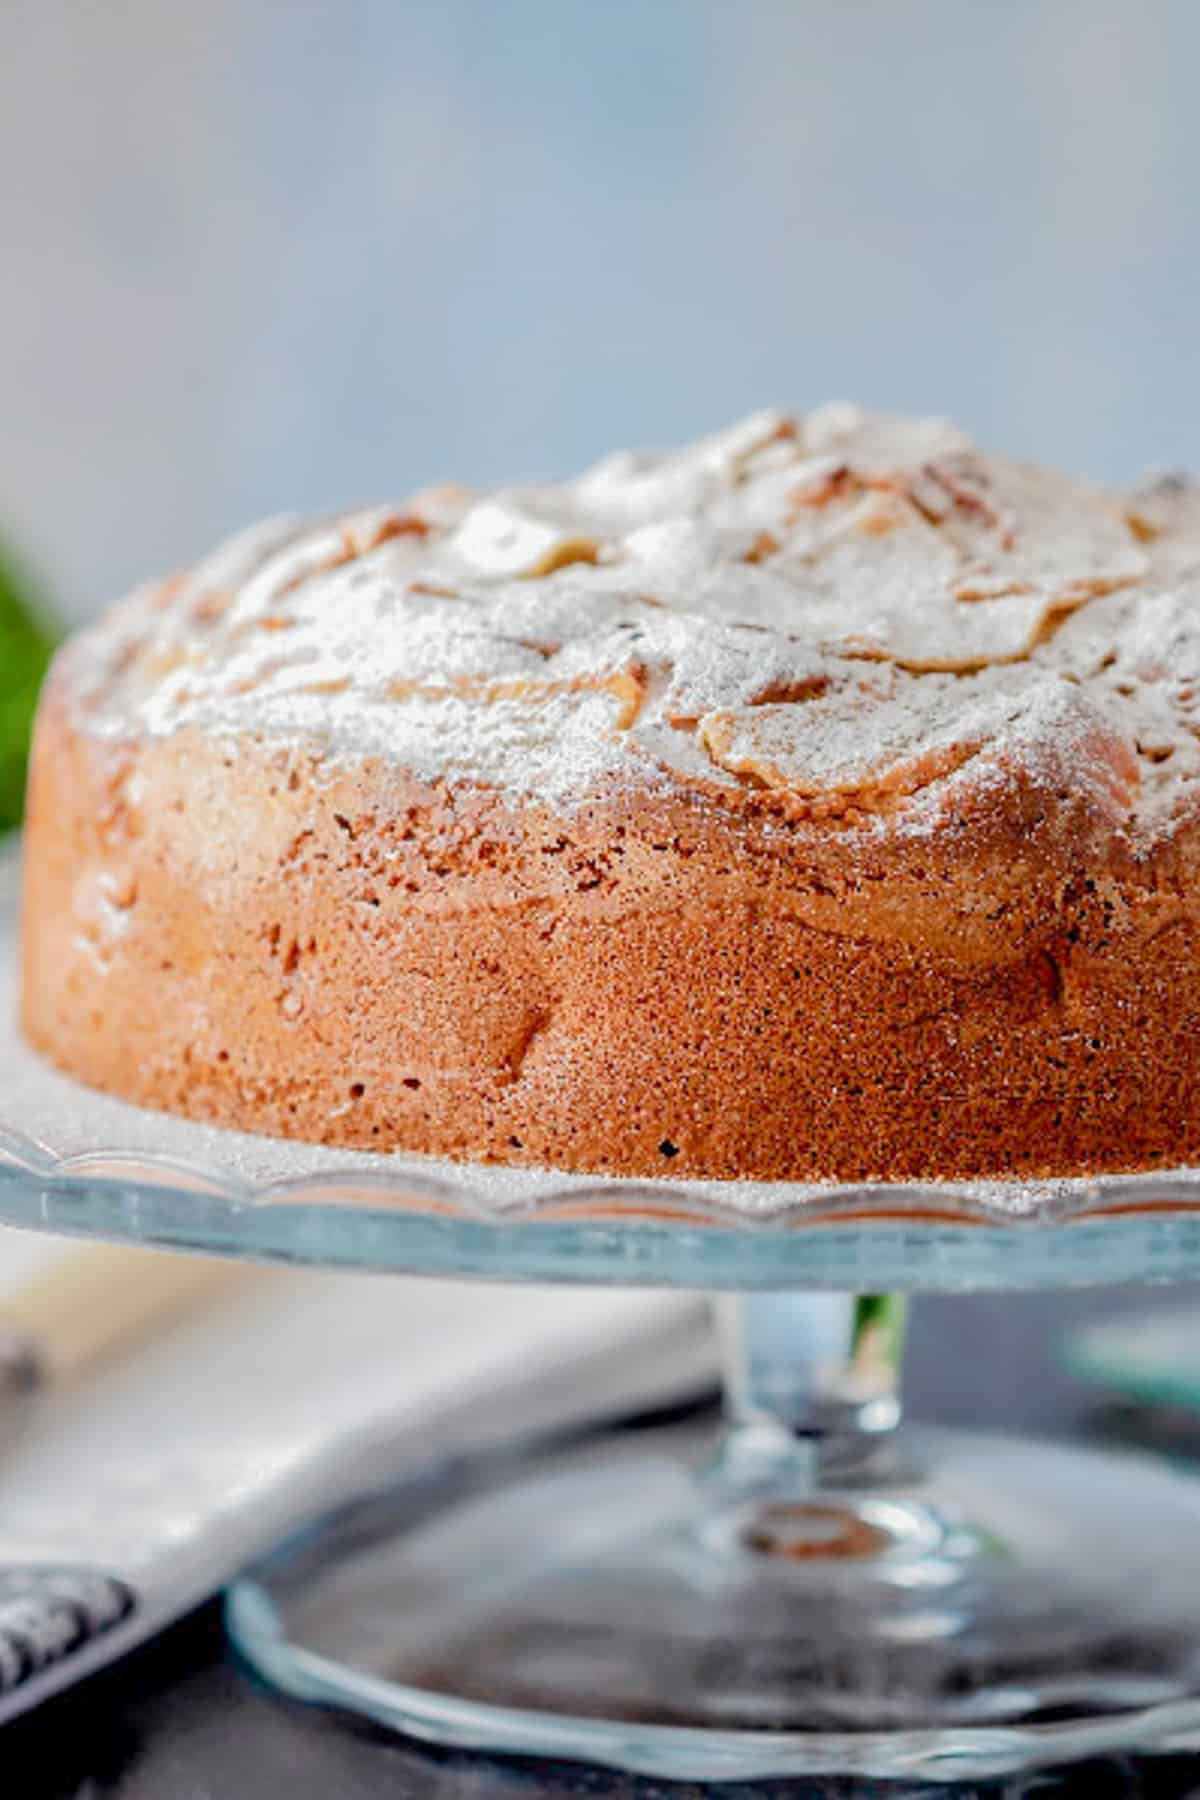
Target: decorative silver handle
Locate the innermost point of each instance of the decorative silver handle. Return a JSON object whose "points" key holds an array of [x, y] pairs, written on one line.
{"points": [[47, 1615]]}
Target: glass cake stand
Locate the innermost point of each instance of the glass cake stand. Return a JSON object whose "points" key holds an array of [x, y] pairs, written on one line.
{"points": [[817, 1590]]}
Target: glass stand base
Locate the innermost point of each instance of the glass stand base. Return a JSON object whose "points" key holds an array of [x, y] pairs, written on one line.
{"points": [[979, 1607]]}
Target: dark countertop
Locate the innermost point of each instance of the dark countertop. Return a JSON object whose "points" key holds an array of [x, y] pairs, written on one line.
{"points": [[179, 1721]]}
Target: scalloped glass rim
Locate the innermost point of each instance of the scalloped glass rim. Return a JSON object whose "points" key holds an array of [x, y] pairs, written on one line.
{"points": [[448, 1219]]}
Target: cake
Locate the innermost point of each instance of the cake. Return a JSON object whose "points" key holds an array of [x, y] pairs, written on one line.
{"points": [[820, 801]]}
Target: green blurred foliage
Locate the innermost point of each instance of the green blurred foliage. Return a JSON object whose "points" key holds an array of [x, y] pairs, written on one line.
{"points": [[26, 645], [881, 1317]]}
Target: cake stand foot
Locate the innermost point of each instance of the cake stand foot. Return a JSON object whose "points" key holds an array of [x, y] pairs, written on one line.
{"points": [[818, 1592]]}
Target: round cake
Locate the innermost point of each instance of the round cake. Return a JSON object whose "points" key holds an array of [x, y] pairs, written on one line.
{"points": [[820, 801]]}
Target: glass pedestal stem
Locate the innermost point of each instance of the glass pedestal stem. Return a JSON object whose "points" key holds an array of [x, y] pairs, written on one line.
{"points": [[812, 1388]]}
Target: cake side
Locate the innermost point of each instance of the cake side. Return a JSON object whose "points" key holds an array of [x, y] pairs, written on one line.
{"points": [[815, 803], [233, 930]]}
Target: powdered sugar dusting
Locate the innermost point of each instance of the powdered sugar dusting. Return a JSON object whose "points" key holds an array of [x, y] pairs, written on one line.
{"points": [[838, 612], [921, 733]]}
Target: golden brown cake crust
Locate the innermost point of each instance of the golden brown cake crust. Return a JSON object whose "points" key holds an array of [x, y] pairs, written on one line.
{"points": [[878, 914]]}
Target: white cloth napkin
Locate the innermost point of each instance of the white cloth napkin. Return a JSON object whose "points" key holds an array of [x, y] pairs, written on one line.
{"points": [[171, 1469]]}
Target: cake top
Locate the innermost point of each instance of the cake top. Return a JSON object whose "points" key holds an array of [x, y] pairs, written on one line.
{"points": [[839, 615]]}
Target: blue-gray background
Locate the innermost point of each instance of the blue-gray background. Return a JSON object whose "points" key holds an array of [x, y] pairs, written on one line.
{"points": [[258, 254]]}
